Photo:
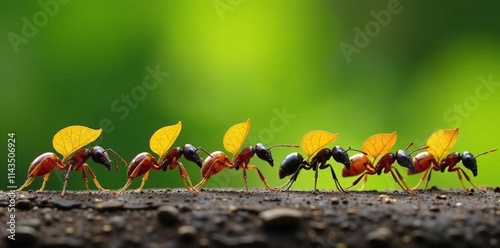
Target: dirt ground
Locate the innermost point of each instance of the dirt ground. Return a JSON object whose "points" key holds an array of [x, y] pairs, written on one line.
{"points": [[231, 218]]}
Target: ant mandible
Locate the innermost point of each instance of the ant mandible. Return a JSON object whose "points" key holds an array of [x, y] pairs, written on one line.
{"points": [[294, 162], [45, 163], [218, 160], [425, 161], [360, 164]]}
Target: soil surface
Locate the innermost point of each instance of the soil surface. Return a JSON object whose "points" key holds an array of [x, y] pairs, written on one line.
{"points": [[231, 218]]}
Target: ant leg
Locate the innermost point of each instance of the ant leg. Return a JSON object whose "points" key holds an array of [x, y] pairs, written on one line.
{"points": [[357, 180], [144, 179], [364, 183], [292, 179], [470, 181], [400, 177], [26, 184], [66, 179], [337, 183], [396, 180], [422, 179], [131, 178], [253, 167], [84, 176], [93, 177], [185, 178], [245, 177], [45, 179]]}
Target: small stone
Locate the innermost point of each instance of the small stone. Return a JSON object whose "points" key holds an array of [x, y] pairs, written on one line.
{"points": [[107, 228], [318, 226], [65, 204], [383, 196], [496, 190], [345, 201], [25, 237], [379, 238], [168, 215], [352, 211], [440, 197], [334, 201], [117, 222], [221, 240], [109, 205], [187, 233], [33, 222], [23, 204], [279, 218], [459, 204], [66, 242], [434, 209], [69, 230]]}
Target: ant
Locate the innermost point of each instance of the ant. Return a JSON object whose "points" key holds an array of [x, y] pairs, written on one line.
{"points": [[425, 161], [218, 160], [360, 164], [45, 163], [144, 161], [294, 162]]}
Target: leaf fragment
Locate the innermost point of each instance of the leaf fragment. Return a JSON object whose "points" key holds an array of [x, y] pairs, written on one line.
{"points": [[315, 140], [441, 141], [235, 136], [69, 139], [379, 144], [163, 139]]}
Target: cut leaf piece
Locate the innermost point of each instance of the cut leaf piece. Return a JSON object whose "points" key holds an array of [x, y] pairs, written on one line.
{"points": [[441, 141], [235, 136], [69, 139], [163, 139], [379, 144], [315, 140]]}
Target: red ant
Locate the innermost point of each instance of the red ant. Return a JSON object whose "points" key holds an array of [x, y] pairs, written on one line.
{"points": [[425, 161], [294, 162], [143, 162], [360, 164], [45, 163], [219, 160]]}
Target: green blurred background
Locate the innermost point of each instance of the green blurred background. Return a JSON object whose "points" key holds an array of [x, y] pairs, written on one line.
{"points": [[279, 63]]}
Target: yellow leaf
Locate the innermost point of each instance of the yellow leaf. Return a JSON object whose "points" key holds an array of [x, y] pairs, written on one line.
{"points": [[379, 144], [315, 140], [235, 136], [69, 139], [441, 141], [163, 139]]}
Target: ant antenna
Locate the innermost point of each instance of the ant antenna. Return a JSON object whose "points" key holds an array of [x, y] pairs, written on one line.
{"points": [[115, 154], [352, 149], [283, 145], [418, 149], [492, 150], [203, 149]]}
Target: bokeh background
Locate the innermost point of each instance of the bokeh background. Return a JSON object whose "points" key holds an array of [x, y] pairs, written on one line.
{"points": [[430, 65]]}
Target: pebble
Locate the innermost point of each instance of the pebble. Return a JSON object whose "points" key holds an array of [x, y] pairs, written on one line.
{"points": [[279, 218], [109, 205], [118, 222], [32, 222], [66, 242], [187, 233], [434, 209], [26, 236], [65, 204], [168, 215], [496, 190], [221, 240], [379, 238], [440, 197], [334, 201], [23, 204]]}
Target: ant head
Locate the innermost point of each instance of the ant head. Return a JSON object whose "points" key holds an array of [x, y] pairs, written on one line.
{"points": [[340, 155], [404, 159], [469, 160], [100, 156], [191, 153], [264, 153]]}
